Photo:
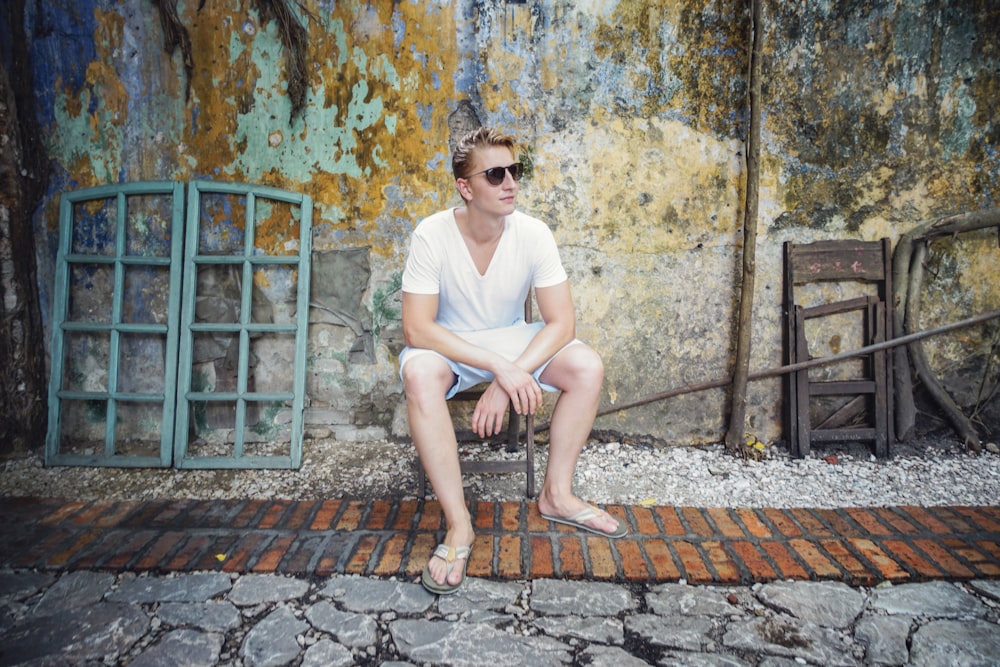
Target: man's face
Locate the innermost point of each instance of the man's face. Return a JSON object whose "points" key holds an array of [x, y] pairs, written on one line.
{"points": [[478, 191]]}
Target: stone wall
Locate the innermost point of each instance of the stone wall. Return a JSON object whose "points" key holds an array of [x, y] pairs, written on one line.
{"points": [[632, 116]]}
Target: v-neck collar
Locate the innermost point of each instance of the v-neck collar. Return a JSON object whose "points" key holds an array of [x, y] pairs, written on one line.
{"points": [[468, 254]]}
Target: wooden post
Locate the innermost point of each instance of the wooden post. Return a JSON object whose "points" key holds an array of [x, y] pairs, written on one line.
{"points": [[737, 415]]}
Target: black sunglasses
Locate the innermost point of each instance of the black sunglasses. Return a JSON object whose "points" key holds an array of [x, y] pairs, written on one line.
{"points": [[495, 175]]}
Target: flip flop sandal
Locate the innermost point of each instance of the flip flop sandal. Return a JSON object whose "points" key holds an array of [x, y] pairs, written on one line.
{"points": [[578, 519], [451, 556]]}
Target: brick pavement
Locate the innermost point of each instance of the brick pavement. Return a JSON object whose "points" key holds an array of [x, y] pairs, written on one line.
{"points": [[859, 546]]}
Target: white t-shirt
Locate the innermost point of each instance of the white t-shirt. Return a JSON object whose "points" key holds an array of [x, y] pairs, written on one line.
{"points": [[439, 263]]}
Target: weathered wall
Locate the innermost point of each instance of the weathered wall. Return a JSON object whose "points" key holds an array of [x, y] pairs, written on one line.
{"points": [[878, 116]]}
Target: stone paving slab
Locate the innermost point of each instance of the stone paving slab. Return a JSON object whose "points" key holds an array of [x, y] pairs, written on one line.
{"points": [[387, 538], [355, 620]]}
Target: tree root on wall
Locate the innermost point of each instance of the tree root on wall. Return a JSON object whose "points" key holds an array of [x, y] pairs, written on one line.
{"points": [[908, 270]]}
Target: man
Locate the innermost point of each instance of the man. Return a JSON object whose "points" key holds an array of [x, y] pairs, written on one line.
{"points": [[467, 275]]}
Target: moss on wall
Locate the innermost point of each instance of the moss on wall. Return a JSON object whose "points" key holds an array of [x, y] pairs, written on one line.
{"points": [[878, 116]]}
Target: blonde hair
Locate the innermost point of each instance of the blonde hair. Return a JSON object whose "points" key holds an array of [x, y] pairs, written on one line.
{"points": [[484, 136]]}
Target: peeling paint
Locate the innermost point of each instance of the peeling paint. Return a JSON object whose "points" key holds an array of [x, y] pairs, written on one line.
{"points": [[878, 117]]}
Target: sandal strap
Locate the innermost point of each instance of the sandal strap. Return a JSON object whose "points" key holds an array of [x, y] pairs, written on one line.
{"points": [[451, 554]]}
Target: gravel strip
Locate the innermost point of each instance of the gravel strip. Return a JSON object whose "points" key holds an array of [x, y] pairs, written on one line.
{"points": [[928, 472]]}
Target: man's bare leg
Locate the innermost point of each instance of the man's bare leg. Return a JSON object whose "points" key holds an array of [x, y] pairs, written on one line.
{"points": [[427, 379], [578, 372]]}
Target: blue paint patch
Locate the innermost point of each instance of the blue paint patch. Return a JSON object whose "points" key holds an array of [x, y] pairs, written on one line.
{"points": [[398, 30], [425, 113], [61, 33]]}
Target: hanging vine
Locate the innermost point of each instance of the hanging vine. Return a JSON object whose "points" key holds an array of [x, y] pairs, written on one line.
{"points": [[292, 33]]}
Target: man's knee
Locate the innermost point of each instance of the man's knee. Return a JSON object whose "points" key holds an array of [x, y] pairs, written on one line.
{"points": [[427, 375], [576, 365]]}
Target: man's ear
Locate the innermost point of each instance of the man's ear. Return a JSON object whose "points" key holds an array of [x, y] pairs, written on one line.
{"points": [[463, 188]]}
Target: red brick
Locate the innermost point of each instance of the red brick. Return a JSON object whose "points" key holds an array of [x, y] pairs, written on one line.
{"points": [[753, 524], [62, 513], [954, 521], [483, 517], [378, 517], [898, 522], [431, 518], [927, 520], [158, 553], [991, 548], [988, 567], [350, 519], [868, 521], [481, 558], [116, 514], [634, 566], [216, 553], [189, 553], [89, 514], [362, 556], [644, 521], [271, 558], [815, 560], [247, 516], [299, 517], [788, 566], [724, 523], [163, 513], [242, 552], [886, 567], [842, 526], [275, 510], [992, 511], [725, 567], [334, 548], [405, 515], [944, 560], [109, 545], [83, 539], [696, 522], [812, 525], [536, 524], [542, 562], [571, 563], [783, 523], [672, 525], [510, 517], [392, 556], [36, 554], [902, 552], [602, 561], [975, 516], [661, 559], [509, 561], [327, 512], [860, 573], [695, 570], [753, 560]]}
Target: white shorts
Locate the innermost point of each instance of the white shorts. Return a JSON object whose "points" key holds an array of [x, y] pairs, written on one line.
{"points": [[508, 342]]}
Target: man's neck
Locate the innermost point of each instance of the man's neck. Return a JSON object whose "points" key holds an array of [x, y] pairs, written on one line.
{"points": [[479, 228]]}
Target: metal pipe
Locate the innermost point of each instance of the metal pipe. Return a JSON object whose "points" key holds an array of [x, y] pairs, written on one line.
{"points": [[802, 365]]}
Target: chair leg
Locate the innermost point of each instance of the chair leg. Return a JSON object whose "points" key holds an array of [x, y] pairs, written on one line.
{"points": [[421, 480], [529, 444], [513, 429]]}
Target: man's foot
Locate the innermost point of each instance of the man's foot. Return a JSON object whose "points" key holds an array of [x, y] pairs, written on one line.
{"points": [[593, 520], [456, 560]]}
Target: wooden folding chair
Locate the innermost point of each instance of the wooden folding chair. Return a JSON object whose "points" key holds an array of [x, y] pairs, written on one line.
{"points": [[524, 465], [858, 407]]}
